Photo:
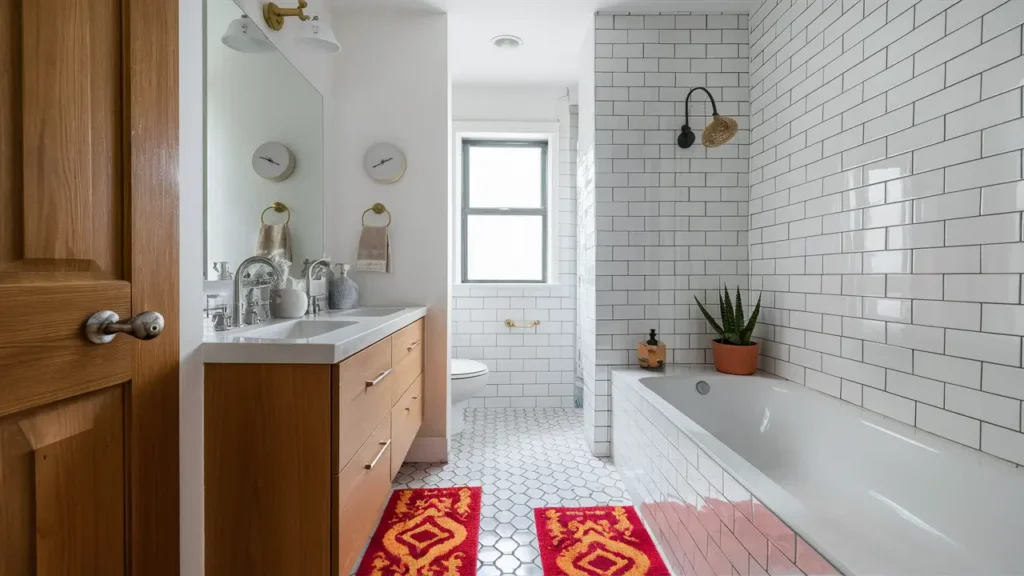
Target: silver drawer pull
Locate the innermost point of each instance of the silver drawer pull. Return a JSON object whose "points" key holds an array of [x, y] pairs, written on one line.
{"points": [[412, 346], [377, 380], [383, 449], [414, 398]]}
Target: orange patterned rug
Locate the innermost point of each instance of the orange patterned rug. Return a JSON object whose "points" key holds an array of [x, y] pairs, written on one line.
{"points": [[596, 541], [426, 532]]}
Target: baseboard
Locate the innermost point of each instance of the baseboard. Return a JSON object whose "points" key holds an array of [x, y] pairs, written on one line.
{"points": [[428, 449]]}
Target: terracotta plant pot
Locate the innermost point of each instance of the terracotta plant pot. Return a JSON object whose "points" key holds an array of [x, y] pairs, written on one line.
{"points": [[739, 360]]}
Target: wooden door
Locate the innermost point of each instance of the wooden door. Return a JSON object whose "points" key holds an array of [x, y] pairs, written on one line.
{"points": [[88, 222]]}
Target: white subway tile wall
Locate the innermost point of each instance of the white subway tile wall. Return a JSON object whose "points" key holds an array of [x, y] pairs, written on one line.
{"points": [[529, 368], [596, 413], [671, 224], [886, 200]]}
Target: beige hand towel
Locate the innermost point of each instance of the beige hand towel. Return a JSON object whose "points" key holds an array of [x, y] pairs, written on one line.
{"points": [[374, 249], [274, 240]]}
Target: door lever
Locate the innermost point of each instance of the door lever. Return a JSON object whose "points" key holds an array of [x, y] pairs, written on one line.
{"points": [[102, 326]]}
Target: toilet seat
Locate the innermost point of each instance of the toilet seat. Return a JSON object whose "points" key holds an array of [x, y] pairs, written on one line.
{"points": [[463, 368]]}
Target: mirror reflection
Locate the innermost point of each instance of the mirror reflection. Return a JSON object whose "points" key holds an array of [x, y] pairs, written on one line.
{"points": [[264, 149]]}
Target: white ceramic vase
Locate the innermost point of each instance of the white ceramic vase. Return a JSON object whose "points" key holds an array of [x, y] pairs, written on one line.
{"points": [[288, 303]]}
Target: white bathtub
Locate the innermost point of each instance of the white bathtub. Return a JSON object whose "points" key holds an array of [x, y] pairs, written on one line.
{"points": [[870, 494]]}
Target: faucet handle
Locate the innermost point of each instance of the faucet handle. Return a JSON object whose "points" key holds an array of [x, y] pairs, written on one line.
{"points": [[221, 321]]}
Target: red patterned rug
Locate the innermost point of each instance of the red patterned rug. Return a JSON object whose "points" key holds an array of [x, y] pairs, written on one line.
{"points": [[428, 532], [596, 541]]}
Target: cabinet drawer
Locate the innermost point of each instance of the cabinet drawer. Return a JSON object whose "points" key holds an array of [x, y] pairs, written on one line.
{"points": [[406, 418], [406, 341], [405, 373], [359, 494], [362, 396]]}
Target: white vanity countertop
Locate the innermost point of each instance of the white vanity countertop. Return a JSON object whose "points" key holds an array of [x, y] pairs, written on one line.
{"points": [[281, 341]]}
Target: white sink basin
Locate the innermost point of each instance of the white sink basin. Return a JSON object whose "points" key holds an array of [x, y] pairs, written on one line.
{"points": [[371, 312], [300, 330], [328, 338]]}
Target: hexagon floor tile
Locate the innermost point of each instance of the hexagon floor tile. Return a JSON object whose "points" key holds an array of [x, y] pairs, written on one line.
{"points": [[523, 458]]}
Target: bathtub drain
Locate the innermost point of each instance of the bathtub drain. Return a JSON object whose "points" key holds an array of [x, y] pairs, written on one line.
{"points": [[703, 387]]}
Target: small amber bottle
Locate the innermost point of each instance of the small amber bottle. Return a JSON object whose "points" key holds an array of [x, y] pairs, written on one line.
{"points": [[651, 354]]}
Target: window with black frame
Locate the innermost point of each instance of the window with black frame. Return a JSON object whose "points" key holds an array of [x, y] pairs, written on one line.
{"points": [[504, 211]]}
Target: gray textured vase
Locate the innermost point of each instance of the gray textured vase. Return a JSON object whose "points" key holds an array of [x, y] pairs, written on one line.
{"points": [[343, 292]]}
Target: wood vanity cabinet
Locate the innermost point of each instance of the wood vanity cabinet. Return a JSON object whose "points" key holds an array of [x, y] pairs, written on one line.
{"points": [[299, 458]]}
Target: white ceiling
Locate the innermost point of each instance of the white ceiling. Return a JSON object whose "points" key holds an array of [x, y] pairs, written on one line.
{"points": [[552, 33]]}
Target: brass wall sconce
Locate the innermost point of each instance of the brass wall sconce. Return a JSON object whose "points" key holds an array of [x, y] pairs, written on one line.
{"points": [[275, 15], [718, 132]]}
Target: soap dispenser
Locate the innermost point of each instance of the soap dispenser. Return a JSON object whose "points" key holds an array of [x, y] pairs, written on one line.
{"points": [[343, 293], [651, 354]]}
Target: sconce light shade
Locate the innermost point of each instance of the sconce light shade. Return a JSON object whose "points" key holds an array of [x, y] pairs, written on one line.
{"points": [[317, 36], [718, 132], [243, 35]]}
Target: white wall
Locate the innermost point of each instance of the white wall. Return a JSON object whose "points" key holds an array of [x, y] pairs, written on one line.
{"points": [[252, 99], [190, 284], [392, 85], [490, 102], [886, 207]]}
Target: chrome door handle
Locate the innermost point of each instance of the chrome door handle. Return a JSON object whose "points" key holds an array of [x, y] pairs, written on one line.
{"points": [[381, 376], [413, 346], [102, 326], [384, 448]]}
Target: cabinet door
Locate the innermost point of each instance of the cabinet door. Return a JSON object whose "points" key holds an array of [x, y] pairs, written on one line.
{"points": [[268, 469], [405, 373], [406, 419], [406, 341], [362, 388], [360, 493]]}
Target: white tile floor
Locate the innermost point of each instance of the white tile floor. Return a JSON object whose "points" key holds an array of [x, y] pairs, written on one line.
{"points": [[524, 459]]}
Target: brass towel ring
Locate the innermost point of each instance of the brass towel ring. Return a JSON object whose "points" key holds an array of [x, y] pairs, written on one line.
{"points": [[276, 207], [377, 208]]}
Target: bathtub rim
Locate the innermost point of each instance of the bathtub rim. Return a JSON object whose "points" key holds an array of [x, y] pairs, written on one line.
{"points": [[778, 501]]}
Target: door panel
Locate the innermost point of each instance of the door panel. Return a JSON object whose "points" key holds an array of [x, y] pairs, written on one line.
{"points": [[51, 360], [88, 222], [62, 487], [72, 124], [17, 499]]}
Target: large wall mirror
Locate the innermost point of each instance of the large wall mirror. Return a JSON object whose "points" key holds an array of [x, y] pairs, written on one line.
{"points": [[264, 148]]}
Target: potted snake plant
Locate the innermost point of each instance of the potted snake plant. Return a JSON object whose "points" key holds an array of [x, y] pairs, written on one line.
{"points": [[735, 352]]}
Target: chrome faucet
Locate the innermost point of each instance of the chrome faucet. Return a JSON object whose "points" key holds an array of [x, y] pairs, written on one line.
{"points": [[313, 306], [243, 311]]}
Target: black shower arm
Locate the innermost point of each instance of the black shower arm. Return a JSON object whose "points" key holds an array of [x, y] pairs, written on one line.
{"points": [[714, 108]]}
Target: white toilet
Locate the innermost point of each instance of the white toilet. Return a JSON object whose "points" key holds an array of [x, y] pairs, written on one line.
{"points": [[468, 378]]}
